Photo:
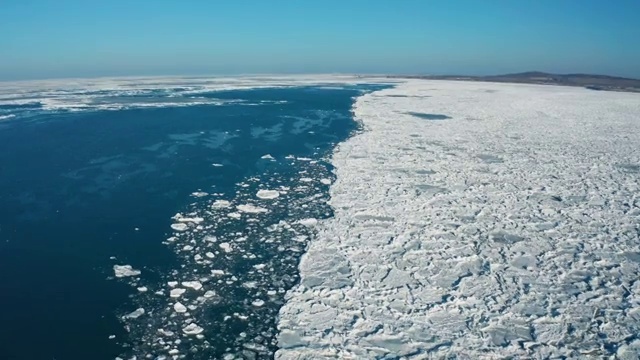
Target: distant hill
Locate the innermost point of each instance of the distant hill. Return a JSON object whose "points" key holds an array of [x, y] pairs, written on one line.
{"points": [[593, 82]]}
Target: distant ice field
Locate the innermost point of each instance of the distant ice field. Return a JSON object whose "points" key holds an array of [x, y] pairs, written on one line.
{"points": [[477, 221]]}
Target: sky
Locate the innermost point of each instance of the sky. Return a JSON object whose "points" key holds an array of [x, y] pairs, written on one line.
{"points": [[81, 38]]}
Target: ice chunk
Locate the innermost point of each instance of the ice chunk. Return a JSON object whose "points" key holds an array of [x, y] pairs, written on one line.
{"points": [[220, 204], [325, 181], [177, 292], [251, 209], [199, 194], [310, 222], [192, 329], [195, 285], [226, 247], [135, 314], [179, 308], [267, 194], [179, 227], [267, 157], [125, 271]]}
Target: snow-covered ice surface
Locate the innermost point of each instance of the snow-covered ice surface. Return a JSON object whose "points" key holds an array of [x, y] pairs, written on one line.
{"points": [[477, 221]]}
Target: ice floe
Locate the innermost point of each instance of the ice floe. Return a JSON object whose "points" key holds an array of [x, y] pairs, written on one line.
{"points": [[251, 209], [505, 229], [177, 292], [125, 271], [179, 226], [221, 204], [192, 329], [195, 285], [135, 314], [179, 308], [267, 194]]}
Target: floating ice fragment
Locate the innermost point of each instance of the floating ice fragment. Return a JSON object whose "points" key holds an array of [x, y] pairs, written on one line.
{"points": [[210, 255], [209, 294], [135, 314], [267, 157], [217, 165], [267, 194], [257, 303], [199, 194], [220, 204], [226, 247], [306, 179], [310, 222], [251, 209], [234, 215], [179, 227], [125, 271], [304, 159], [172, 283], [217, 272], [192, 329], [142, 289], [325, 181], [195, 285], [177, 292], [165, 332], [179, 308]]}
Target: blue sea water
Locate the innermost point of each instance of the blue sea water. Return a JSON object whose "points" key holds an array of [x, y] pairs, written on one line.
{"points": [[82, 191]]}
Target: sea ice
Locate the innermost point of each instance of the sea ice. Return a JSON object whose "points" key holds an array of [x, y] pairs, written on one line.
{"points": [[192, 329], [220, 204], [251, 209], [135, 314], [195, 285], [177, 292], [267, 194], [125, 271], [310, 222], [506, 230], [179, 227], [179, 308]]}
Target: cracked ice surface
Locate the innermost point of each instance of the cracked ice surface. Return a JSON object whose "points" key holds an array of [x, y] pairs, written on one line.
{"points": [[508, 229]]}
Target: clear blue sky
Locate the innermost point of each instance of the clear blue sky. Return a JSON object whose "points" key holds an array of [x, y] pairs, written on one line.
{"points": [[45, 39]]}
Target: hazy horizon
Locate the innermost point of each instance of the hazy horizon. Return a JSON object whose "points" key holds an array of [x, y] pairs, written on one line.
{"points": [[75, 39]]}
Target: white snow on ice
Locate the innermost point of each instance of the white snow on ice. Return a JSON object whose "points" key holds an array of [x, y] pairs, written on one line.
{"points": [[508, 228]]}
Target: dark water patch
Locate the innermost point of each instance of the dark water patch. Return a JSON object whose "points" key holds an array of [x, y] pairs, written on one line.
{"points": [[427, 116], [78, 188]]}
